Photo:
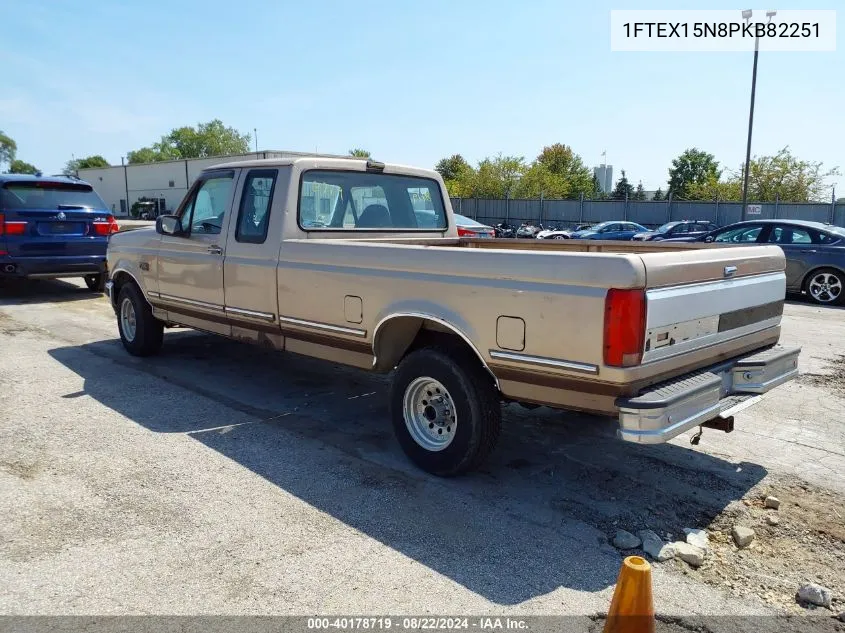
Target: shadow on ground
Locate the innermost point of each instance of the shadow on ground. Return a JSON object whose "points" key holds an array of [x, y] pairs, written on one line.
{"points": [[536, 517], [14, 291]]}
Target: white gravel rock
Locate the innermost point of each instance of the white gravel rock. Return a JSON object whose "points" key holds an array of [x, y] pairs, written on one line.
{"points": [[698, 538], [772, 502], [815, 594], [626, 540], [742, 536], [654, 546], [772, 519], [690, 554]]}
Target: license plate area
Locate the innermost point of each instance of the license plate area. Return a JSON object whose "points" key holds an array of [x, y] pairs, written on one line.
{"points": [[61, 228]]}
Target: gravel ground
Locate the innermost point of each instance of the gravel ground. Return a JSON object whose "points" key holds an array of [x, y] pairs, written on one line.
{"points": [[221, 478]]}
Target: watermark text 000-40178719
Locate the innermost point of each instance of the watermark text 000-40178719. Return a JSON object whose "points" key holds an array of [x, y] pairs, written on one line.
{"points": [[723, 30]]}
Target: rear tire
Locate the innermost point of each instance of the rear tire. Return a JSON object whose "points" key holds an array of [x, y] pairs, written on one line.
{"points": [[96, 283], [445, 409], [825, 286], [141, 333]]}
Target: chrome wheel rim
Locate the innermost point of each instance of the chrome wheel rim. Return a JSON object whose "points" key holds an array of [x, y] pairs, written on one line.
{"points": [[558, 237], [127, 319], [430, 415], [825, 287]]}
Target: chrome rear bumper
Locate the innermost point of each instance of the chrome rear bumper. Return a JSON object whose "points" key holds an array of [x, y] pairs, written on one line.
{"points": [[677, 405]]}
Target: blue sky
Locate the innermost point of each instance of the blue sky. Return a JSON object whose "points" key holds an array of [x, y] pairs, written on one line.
{"points": [[410, 81]]}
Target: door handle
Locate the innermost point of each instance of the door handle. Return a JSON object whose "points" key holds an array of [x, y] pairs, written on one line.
{"points": [[215, 250]]}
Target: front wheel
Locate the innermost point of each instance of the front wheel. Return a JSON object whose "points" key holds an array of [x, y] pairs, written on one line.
{"points": [[825, 286], [141, 333], [445, 409], [96, 283]]}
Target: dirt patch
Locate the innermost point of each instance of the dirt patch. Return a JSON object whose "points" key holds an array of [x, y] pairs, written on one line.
{"points": [[806, 545], [834, 381]]}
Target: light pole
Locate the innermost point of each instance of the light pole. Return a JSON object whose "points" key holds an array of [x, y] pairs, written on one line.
{"points": [[746, 14], [255, 131]]}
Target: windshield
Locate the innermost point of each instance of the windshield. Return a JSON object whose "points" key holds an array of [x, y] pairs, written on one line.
{"points": [[665, 228], [597, 227], [49, 195], [836, 230]]}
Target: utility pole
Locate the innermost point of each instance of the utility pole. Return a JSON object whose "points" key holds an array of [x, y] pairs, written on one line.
{"points": [[747, 16]]}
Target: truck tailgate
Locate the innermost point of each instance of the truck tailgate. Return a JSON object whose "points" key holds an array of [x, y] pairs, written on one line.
{"points": [[700, 298]]}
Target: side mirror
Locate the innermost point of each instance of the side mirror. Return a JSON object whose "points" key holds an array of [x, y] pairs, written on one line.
{"points": [[169, 225]]}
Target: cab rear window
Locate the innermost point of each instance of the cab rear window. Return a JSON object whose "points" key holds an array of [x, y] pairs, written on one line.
{"points": [[365, 201], [48, 195]]}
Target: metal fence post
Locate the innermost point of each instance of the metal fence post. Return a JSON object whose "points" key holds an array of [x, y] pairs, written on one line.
{"points": [[716, 218], [581, 208], [669, 207], [541, 208], [508, 207], [777, 204], [625, 212]]}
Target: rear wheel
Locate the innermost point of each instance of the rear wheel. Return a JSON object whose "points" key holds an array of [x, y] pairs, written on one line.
{"points": [[824, 286], [96, 283], [445, 410], [141, 333], [559, 237]]}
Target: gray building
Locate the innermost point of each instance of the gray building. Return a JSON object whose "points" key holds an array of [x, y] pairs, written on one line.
{"points": [[120, 186], [604, 174]]}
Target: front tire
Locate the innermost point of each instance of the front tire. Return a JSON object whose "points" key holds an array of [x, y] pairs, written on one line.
{"points": [[96, 283], [445, 409], [824, 286], [141, 333]]}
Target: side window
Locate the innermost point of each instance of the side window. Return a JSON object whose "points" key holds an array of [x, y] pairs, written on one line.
{"points": [[205, 211], [790, 235], [679, 229], [740, 235], [254, 211]]}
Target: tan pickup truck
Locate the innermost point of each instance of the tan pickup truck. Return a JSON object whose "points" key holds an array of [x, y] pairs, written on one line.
{"points": [[358, 262]]}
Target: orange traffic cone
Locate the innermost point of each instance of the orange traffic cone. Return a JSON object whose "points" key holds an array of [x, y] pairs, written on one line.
{"points": [[632, 607]]}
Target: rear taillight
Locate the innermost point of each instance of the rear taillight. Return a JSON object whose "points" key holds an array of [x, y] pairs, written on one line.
{"points": [[106, 228], [462, 232], [624, 327], [11, 228]]}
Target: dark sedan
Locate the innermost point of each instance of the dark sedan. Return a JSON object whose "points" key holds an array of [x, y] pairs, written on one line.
{"points": [[815, 253], [681, 228]]}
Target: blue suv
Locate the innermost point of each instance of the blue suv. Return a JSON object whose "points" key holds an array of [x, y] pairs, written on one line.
{"points": [[53, 227]]}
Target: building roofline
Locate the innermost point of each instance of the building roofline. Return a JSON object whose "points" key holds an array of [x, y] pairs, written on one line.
{"points": [[290, 153]]}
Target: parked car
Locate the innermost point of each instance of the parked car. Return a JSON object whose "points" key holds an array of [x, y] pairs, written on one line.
{"points": [[504, 230], [528, 230], [682, 228], [613, 230], [815, 253], [53, 227], [467, 227], [460, 326], [560, 233]]}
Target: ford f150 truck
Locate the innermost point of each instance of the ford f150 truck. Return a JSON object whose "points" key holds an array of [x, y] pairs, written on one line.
{"points": [[358, 262]]}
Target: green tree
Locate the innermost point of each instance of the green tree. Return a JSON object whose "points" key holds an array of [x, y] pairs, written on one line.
{"points": [[18, 166], [458, 175], [692, 167], [453, 167], [782, 176], [639, 192], [539, 179], [203, 141], [74, 165], [623, 189], [597, 193], [560, 160], [659, 195], [359, 153], [497, 177], [8, 149]]}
